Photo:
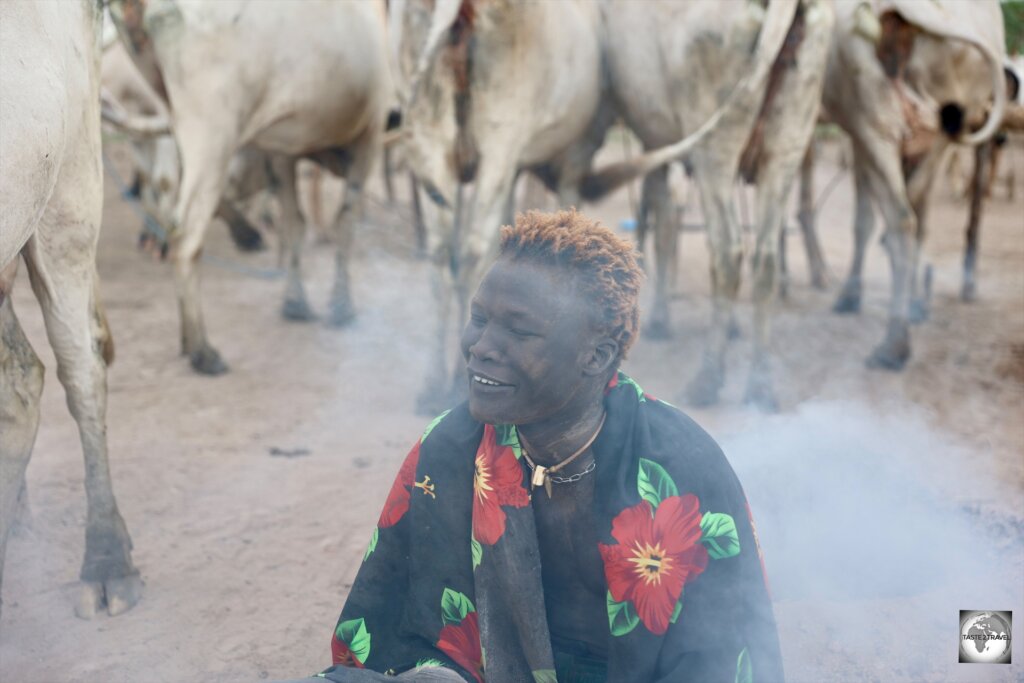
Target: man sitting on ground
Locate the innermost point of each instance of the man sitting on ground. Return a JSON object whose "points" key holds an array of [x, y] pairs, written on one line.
{"points": [[561, 525]]}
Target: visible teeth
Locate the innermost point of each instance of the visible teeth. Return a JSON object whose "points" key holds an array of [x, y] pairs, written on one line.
{"points": [[481, 380]]}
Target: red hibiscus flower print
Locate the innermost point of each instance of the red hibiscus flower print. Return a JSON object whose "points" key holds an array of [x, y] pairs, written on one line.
{"points": [[342, 655], [461, 642], [350, 645], [655, 556], [397, 503], [498, 481]]}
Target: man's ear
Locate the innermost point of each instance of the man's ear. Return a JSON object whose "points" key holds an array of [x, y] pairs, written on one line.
{"points": [[601, 357]]}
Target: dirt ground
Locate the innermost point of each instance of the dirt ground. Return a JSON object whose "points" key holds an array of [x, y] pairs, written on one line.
{"points": [[250, 497]]}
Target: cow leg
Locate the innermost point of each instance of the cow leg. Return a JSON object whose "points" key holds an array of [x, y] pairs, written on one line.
{"points": [[21, 384], [293, 232], [919, 186], [969, 288], [725, 242], [205, 154], [419, 229], [439, 236], [244, 235], [61, 265], [480, 238], [863, 226], [658, 201], [806, 218], [886, 177], [363, 152]]}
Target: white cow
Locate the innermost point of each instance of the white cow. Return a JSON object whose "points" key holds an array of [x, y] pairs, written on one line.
{"points": [[51, 194], [293, 79], [129, 104], [667, 83], [496, 88], [905, 79]]}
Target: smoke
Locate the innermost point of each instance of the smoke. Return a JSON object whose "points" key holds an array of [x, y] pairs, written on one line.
{"points": [[877, 529]]}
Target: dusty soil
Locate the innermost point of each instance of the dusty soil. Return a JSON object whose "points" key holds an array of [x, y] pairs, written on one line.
{"points": [[250, 497]]}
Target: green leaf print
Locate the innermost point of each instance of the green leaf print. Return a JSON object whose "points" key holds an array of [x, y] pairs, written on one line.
{"points": [[744, 671], [373, 544], [544, 676], [506, 435], [433, 423], [354, 634], [627, 380], [478, 553], [654, 484], [678, 609], [429, 661], [622, 618], [455, 606], [718, 534]]}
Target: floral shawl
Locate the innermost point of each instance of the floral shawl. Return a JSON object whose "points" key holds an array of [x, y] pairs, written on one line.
{"points": [[452, 573]]}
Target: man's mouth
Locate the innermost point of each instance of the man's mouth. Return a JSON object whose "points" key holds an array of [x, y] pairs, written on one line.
{"points": [[486, 381]]}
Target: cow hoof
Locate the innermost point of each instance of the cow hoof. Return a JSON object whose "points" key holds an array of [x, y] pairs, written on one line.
{"points": [[123, 593], [889, 355], [246, 238], [658, 330], [702, 391], [918, 312], [969, 292], [297, 310], [115, 596], [206, 361], [733, 331], [341, 315], [848, 302], [90, 600], [761, 395], [819, 282]]}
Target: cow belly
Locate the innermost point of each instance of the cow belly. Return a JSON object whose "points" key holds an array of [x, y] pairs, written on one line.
{"points": [[299, 132], [37, 92]]}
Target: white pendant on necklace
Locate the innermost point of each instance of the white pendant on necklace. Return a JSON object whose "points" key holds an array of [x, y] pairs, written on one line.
{"points": [[540, 475]]}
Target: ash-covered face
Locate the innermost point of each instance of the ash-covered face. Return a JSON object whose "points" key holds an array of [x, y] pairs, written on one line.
{"points": [[533, 353]]}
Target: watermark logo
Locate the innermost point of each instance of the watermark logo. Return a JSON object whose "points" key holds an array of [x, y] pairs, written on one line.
{"points": [[985, 637]]}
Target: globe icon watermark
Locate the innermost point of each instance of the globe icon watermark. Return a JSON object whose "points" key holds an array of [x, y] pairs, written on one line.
{"points": [[985, 637]]}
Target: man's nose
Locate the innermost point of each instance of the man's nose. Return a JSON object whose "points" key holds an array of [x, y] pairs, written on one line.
{"points": [[484, 347]]}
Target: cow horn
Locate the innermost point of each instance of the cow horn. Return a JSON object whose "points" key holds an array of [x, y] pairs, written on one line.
{"points": [[445, 12], [866, 24]]}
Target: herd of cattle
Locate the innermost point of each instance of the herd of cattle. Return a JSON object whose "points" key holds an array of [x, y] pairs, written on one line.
{"points": [[224, 98]]}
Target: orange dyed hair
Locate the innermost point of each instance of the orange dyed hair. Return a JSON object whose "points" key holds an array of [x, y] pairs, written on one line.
{"points": [[604, 264]]}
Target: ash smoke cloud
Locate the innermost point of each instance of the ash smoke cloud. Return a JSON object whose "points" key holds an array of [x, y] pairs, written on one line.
{"points": [[877, 530]]}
